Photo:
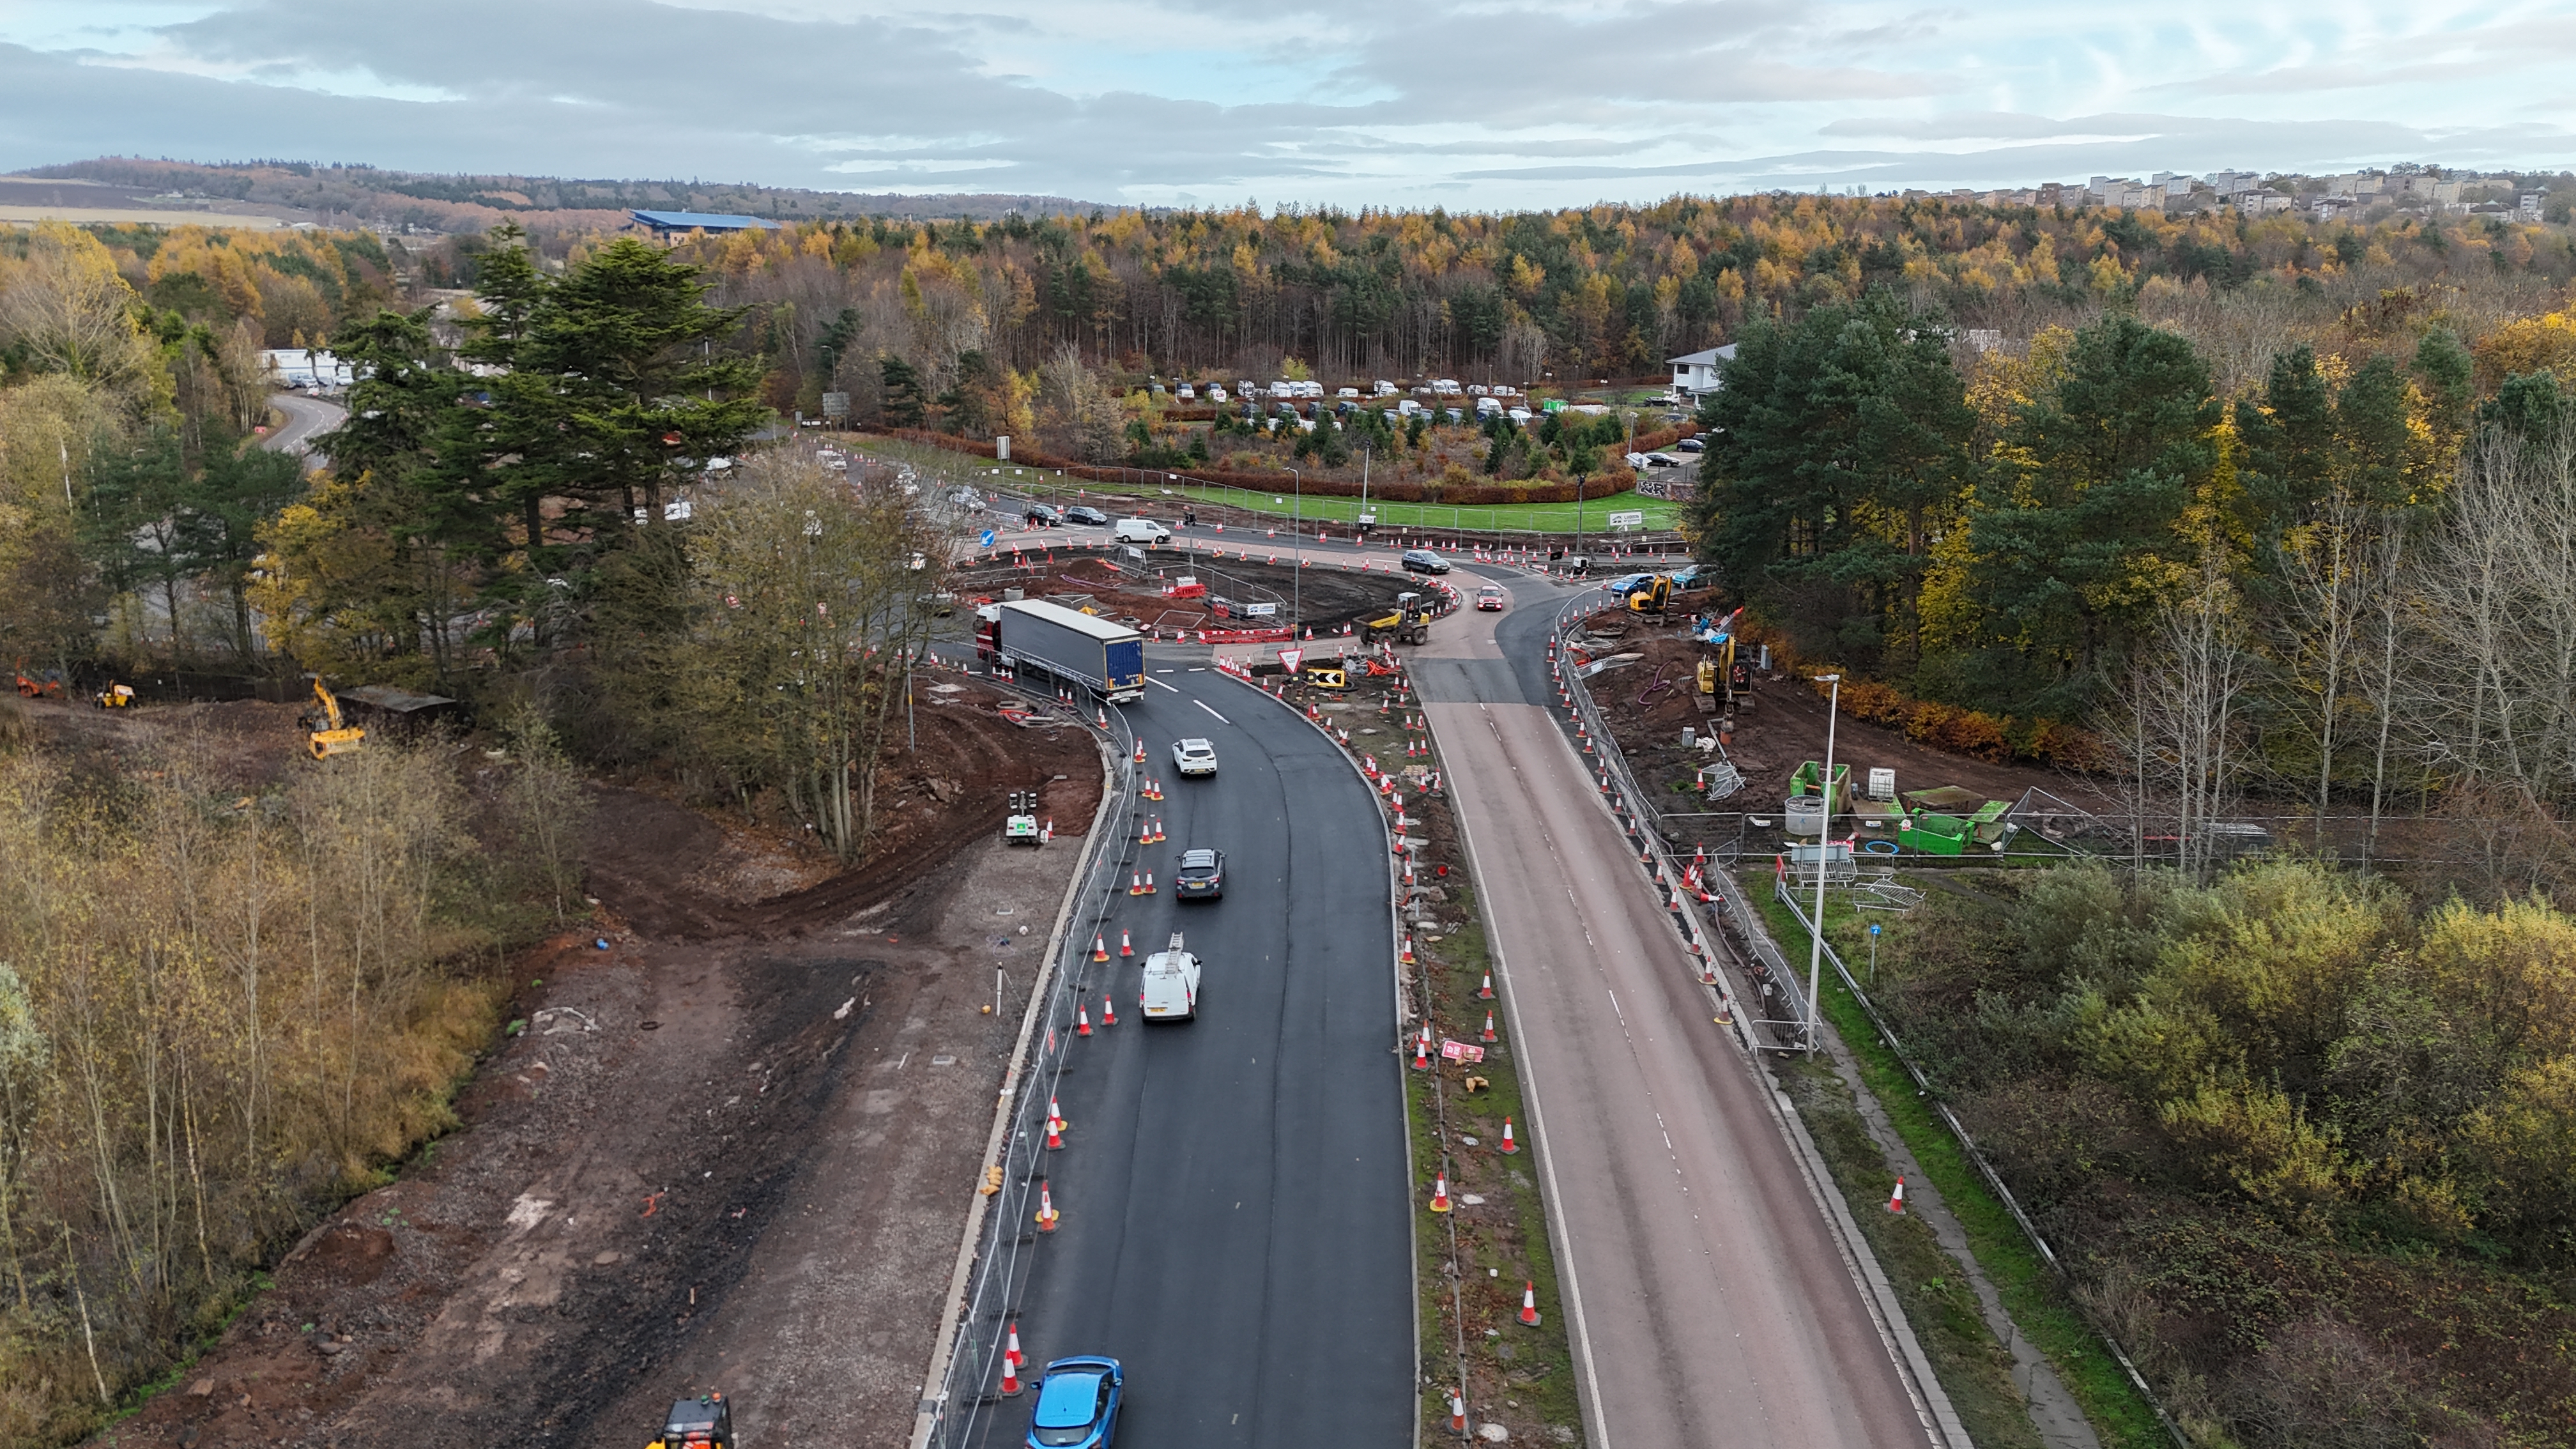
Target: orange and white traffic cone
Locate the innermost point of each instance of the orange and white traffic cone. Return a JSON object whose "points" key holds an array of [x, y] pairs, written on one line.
{"points": [[1458, 1412], [1099, 947], [1407, 955], [1489, 1026], [1011, 1352], [1422, 1051], [1125, 947], [1047, 1214], [1010, 1377], [1135, 883], [1140, 752], [1510, 1148], [1054, 1130], [1896, 1200], [1529, 1304], [1144, 831], [1108, 1010], [1101, 718], [1440, 1193], [1158, 830], [1081, 1020], [1486, 991], [1149, 882]]}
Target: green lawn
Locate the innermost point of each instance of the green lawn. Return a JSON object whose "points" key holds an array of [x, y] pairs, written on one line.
{"points": [[1494, 518]]}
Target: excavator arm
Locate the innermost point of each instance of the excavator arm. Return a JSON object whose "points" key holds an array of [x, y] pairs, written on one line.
{"points": [[337, 736]]}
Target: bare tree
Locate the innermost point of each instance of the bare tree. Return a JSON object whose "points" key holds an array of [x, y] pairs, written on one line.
{"points": [[2178, 717]]}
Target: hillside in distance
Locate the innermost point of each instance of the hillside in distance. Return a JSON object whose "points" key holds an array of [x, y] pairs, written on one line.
{"points": [[368, 196]]}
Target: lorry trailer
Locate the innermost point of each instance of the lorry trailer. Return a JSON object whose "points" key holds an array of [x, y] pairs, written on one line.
{"points": [[1107, 659]]}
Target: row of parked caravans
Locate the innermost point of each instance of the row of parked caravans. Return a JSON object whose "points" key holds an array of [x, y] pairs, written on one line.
{"points": [[1247, 389]]}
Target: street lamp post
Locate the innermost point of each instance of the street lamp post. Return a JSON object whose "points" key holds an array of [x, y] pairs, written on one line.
{"points": [[1824, 832], [1578, 515], [1297, 547]]}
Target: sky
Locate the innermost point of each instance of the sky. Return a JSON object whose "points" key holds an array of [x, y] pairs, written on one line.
{"points": [[1470, 104]]}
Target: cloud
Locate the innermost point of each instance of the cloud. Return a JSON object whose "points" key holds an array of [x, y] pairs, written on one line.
{"points": [[1503, 102]]}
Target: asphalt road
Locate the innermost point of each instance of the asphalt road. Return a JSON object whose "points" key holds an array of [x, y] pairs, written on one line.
{"points": [[307, 418], [1236, 1215], [1712, 1302]]}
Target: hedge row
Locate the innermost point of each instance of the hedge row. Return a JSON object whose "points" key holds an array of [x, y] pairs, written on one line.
{"points": [[1446, 490], [1971, 732]]}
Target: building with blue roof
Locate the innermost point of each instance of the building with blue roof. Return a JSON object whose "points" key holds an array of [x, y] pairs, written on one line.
{"points": [[680, 223]]}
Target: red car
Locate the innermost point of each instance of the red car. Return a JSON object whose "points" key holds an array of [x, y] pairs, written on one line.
{"points": [[1489, 599]]}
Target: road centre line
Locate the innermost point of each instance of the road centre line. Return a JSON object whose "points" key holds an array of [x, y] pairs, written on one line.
{"points": [[1203, 704], [1158, 684]]}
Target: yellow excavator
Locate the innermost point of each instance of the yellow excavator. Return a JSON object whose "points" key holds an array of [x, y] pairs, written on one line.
{"points": [[1409, 624], [327, 733]]}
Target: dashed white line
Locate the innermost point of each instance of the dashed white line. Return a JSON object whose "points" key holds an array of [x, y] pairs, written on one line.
{"points": [[1158, 684], [1203, 704]]}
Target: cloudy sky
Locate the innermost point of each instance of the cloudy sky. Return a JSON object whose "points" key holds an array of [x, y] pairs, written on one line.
{"points": [[1467, 103]]}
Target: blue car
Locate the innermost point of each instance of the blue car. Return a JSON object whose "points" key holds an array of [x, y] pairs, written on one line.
{"points": [[1077, 1404]]}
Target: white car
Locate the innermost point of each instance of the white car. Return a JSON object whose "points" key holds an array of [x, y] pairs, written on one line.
{"points": [[1170, 991], [1193, 757]]}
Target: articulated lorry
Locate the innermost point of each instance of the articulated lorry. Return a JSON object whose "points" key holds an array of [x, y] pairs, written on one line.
{"points": [[1107, 659]]}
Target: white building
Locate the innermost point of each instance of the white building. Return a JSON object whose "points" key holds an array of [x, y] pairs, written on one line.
{"points": [[304, 367], [1696, 373]]}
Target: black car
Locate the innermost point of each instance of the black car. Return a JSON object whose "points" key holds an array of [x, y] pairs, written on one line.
{"points": [[1202, 875], [1691, 445], [1043, 515], [1424, 561], [1080, 514]]}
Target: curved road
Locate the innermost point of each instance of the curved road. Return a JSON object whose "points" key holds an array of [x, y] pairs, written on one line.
{"points": [[1236, 1218], [307, 418]]}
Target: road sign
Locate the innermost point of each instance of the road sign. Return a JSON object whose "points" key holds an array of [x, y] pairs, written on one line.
{"points": [[1257, 611], [836, 405], [987, 537], [1636, 519], [1460, 1051], [1289, 659]]}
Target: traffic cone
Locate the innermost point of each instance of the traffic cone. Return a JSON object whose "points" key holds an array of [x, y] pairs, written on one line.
{"points": [[1422, 1051], [1047, 1214], [1144, 831], [1140, 752], [1149, 882], [1510, 1148], [1489, 1026], [1125, 947], [1108, 1010], [1010, 1376], [1440, 1193], [1081, 1020], [1100, 718], [1054, 1132], [1407, 957], [1011, 1354], [1135, 883], [1529, 1304], [1099, 947], [1458, 1412], [1158, 830], [1896, 1201], [1486, 991]]}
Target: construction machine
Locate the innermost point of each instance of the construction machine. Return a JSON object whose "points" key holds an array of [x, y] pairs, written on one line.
{"points": [[705, 1422], [326, 732], [1021, 827], [1410, 623], [115, 696], [1650, 595], [45, 684]]}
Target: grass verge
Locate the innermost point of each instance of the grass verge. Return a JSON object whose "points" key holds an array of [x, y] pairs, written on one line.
{"points": [[2034, 1296], [1482, 518]]}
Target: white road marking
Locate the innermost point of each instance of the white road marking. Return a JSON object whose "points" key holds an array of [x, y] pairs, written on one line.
{"points": [[1203, 704], [1158, 684]]}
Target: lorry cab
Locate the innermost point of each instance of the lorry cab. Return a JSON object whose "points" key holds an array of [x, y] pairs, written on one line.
{"points": [[1171, 989]]}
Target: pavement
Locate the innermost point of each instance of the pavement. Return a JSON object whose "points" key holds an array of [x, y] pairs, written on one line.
{"points": [[307, 418], [1712, 1300], [1237, 1220]]}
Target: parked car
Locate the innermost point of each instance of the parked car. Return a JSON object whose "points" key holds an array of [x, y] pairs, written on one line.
{"points": [[1489, 599], [1077, 1404], [1042, 515], [1690, 445], [1201, 876], [1085, 513], [1424, 561]]}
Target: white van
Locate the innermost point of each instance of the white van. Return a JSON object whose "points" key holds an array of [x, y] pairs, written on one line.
{"points": [[1444, 387], [1383, 388], [1216, 392], [1346, 392], [1171, 990], [1187, 393], [1140, 530]]}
